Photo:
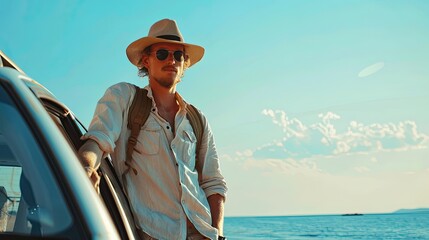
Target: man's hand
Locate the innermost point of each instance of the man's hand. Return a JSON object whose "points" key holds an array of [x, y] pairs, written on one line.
{"points": [[94, 177]]}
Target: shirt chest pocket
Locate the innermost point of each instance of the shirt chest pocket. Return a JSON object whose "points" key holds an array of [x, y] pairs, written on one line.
{"points": [[189, 144], [149, 139]]}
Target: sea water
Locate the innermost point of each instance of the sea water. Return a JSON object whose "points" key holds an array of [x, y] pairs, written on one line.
{"points": [[367, 226]]}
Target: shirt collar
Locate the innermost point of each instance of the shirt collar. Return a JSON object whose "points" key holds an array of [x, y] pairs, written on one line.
{"points": [[179, 98]]}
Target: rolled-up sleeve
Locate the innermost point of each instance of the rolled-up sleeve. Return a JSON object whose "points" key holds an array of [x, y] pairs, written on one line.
{"points": [[212, 180], [107, 122]]}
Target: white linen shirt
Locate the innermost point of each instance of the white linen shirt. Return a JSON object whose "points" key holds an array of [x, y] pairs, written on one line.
{"points": [[166, 190]]}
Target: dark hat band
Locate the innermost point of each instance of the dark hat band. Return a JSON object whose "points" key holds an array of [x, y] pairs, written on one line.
{"points": [[170, 37]]}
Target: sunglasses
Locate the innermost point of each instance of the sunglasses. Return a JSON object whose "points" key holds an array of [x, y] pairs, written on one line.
{"points": [[162, 54]]}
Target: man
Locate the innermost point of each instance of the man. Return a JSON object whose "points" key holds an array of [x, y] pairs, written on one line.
{"points": [[169, 197]]}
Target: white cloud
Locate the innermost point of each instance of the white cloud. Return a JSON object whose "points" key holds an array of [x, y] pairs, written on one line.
{"points": [[370, 70], [324, 138], [289, 169], [245, 153]]}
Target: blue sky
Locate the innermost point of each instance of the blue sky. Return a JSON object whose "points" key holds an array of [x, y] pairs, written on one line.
{"points": [[317, 106]]}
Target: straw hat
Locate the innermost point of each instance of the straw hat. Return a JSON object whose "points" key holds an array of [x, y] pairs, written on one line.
{"points": [[163, 31]]}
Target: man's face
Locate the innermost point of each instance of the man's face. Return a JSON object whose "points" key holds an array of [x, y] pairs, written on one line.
{"points": [[164, 64]]}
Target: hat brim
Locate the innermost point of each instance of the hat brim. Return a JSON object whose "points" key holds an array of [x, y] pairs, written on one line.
{"points": [[135, 49]]}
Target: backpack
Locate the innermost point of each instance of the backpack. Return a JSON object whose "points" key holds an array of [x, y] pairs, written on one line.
{"points": [[139, 112]]}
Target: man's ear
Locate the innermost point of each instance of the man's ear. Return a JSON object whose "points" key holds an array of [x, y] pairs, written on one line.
{"points": [[145, 61]]}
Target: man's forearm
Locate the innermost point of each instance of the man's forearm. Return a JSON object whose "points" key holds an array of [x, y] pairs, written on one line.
{"points": [[217, 202]]}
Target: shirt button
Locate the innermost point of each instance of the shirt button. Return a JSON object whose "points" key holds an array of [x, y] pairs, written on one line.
{"points": [[153, 109], [183, 201], [177, 164], [168, 127]]}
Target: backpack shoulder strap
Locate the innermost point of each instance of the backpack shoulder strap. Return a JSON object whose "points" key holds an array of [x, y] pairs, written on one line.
{"points": [[137, 115], [196, 121]]}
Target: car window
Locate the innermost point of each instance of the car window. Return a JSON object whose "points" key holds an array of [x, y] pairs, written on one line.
{"points": [[31, 202]]}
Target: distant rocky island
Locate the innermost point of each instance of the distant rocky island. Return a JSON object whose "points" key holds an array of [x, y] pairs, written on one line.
{"points": [[352, 214], [414, 210]]}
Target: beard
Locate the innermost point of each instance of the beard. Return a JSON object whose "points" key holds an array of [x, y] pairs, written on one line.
{"points": [[167, 82]]}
